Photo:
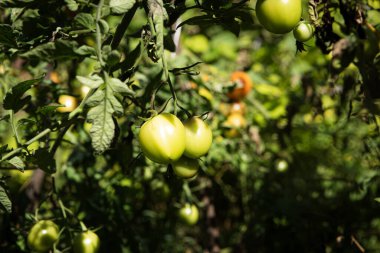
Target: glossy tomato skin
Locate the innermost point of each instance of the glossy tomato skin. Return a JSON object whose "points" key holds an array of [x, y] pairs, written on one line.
{"points": [[244, 85], [189, 214], [198, 136], [86, 242], [42, 236], [185, 167], [279, 16], [303, 32], [69, 102], [162, 138]]}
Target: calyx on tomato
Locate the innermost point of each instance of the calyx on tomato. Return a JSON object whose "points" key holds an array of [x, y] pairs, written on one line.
{"points": [[162, 138], [198, 137], [279, 16]]}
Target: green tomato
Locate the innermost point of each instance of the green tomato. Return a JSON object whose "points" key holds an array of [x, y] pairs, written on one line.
{"points": [[198, 137], [281, 165], [162, 138], [279, 16], [43, 235], [197, 43], [303, 31], [186, 167], [86, 242], [189, 214]]}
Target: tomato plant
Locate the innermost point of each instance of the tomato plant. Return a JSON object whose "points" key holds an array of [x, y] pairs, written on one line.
{"points": [[243, 85], [189, 214], [162, 138], [86, 242], [279, 16], [186, 167], [43, 235], [198, 137], [303, 31]]}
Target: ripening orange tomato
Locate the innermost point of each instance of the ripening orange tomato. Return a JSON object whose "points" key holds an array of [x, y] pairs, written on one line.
{"points": [[243, 87]]}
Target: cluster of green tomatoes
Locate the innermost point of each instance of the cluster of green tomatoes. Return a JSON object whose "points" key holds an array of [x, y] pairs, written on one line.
{"points": [[45, 233], [164, 139], [280, 16]]}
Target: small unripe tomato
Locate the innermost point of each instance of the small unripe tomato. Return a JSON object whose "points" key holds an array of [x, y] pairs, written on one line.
{"points": [[86, 242], [185, 167], [69, 102], [279, 16], [162, 138], [303, 31], [281, 165], [43, 235], [198, 136], [238, 107], [189, 214]]}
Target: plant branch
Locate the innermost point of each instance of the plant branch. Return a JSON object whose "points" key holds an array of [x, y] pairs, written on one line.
{"points": [[98, 33]]}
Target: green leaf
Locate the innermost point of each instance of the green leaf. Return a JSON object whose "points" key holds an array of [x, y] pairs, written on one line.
{"points": [[93, 81], [158, 14], [85, 50], [16, 3], [85, 20], [18, 163], [48, 108], [5, 203], [377, 200], [7, 37], [104, 104], [72, 5], [119, 87], [13, 99], [104, 27], [60, 49], [44, 159], [121, 6]]}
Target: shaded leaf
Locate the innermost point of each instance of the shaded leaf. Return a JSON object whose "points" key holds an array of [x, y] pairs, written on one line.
{"points": [[13, 99], [18, 163], [92, 81], [7, 37], [5, 202], [85, 20]]}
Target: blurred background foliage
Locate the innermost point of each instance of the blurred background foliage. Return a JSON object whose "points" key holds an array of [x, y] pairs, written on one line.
{"points": [[298, 171]]}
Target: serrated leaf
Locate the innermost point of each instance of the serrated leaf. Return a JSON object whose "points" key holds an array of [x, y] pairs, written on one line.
{"points": [[18, 163], [119, 87], [7, 37], [5, 202], [103, 127], [13, 99], [85, 20], [121, 6], [96, 98], [92, 81], [104, 104]]}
